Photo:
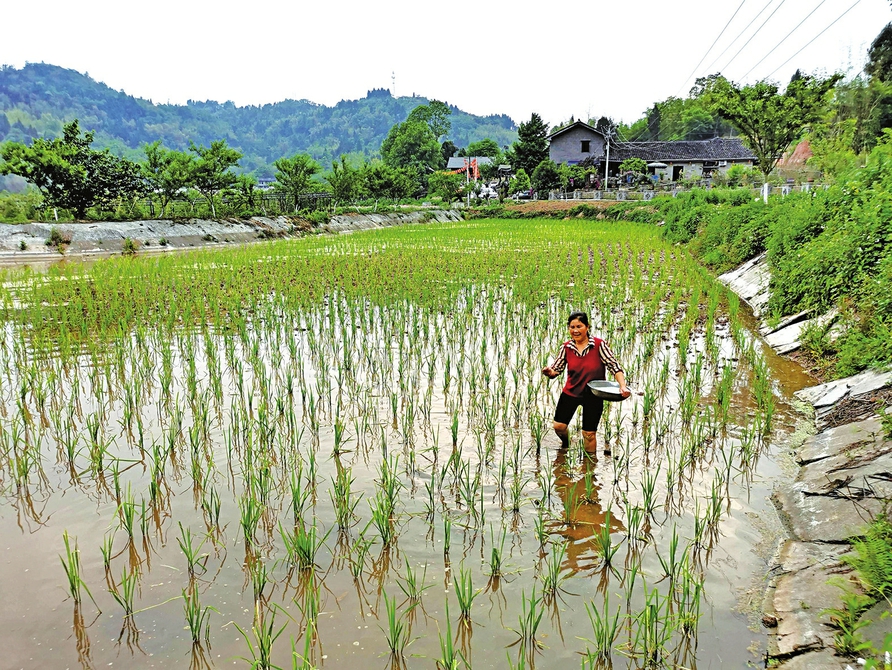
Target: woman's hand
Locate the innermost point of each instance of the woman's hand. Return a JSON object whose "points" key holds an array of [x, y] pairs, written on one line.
{"points": [[623, 389], [549, 372]]}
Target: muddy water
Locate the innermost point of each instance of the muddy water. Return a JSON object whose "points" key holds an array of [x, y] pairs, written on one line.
{"points": [[42, 626]]}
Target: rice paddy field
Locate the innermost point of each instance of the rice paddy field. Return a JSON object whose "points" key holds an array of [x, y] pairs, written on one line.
{"points": [[337, 452]]}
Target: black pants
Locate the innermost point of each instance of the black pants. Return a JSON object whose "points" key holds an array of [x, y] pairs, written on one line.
{"points": [[592, 408]]}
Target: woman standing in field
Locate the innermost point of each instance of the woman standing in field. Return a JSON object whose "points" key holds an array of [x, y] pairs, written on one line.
{"points": [[586, 358]]}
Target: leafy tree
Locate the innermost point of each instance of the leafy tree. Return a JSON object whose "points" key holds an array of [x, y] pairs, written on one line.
{"points": [[638, 165], [531, 147], [70, 174], [412, 145], [446, 185], [167, 171], [384, 181], [209, 173], [879, 56], [448, 149], [485, 147], [295, 175], [768, 120], [546, 176], [572, 176], [605, 125], [344, 179], [243, 193], [436, 115], [520, 182]]}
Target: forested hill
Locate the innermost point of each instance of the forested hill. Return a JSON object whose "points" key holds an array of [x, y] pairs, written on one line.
{"points": [[36, 100]]}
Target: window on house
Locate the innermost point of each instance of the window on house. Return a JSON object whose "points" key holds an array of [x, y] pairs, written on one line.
{"points": [[586, 148]]}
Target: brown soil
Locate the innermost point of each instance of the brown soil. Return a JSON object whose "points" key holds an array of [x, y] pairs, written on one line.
{"points": [[537, 206]]}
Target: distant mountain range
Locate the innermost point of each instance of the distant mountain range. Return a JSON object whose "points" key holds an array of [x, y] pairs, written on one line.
{"points": [[36, 100]]}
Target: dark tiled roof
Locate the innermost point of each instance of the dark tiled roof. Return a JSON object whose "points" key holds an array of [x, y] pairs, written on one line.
{"points": [[578, 124], [718, 148]]}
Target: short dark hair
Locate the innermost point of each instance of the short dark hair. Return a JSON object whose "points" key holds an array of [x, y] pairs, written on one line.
{"points": [[582, 316]]}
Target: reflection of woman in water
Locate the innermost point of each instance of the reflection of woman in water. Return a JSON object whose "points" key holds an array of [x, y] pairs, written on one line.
{"points": [[580, 537], [586, 359]]}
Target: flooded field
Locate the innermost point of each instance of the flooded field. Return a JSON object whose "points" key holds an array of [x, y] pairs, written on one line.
{"points": [[338, 451]]}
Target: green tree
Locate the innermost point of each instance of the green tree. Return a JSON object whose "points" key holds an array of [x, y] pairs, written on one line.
{"points": [[446, 185], [531, 147], [436, 115], [243, 194], [638, 165], [520, 182], [768, 120], [344, 179], [448, 150], [411, 144], [546, 176], [295, 175], [210, 170], [572, 176], [70, 174], [485, 147], [167, 171], [383, 181], [879, 56]]}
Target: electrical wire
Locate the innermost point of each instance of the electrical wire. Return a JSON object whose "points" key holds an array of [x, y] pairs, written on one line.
{"points": [[813, 39], [739, 35], [754, 34], [784, 39], [694, 71]]}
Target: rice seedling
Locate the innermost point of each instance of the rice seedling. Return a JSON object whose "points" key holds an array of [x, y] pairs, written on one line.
{"points": [[529, 620], [497, 553], [551, 576], [604, 541], [194, 559], [450, 657], [605, 630], [397, 632], [71, 563], [412, 586], [197, 617], [125, 590], [343, 499], [465, 593], [303, 545], [261, 640]]}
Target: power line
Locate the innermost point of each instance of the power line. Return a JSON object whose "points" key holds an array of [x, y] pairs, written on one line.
{"points": [[752, 21], [784, 39], [754, 34], [814, 38], [694, 71]]}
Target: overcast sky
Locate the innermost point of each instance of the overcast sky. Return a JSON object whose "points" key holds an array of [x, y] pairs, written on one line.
{"points": [[557, 59]]}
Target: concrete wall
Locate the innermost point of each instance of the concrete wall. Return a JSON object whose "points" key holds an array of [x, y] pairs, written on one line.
{"points": [[567, 147]]}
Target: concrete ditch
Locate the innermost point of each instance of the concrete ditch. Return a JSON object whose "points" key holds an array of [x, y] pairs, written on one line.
{"points": [[33, 242]]}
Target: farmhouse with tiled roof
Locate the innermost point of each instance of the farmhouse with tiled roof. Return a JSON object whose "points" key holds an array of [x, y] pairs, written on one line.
{"points": [[581, 144]]}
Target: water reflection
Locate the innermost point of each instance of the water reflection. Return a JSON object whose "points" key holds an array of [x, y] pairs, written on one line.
{"points": [[578, 486]]}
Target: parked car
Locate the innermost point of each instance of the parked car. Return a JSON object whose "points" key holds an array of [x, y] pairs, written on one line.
{"points": [[521, 195]]}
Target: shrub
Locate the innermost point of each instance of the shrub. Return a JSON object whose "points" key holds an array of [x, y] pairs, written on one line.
{"points": [[129, 248], [57, 239]]}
